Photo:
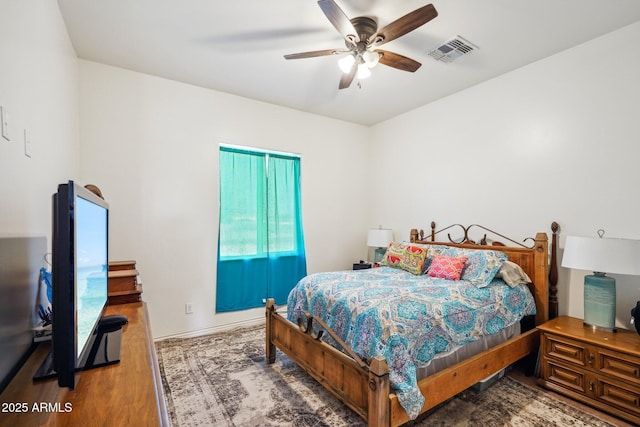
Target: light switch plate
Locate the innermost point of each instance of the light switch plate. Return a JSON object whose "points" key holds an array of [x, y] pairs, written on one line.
{"points": [[27, 144], [4, 121]]}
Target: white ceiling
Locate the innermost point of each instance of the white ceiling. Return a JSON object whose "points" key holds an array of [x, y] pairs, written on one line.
{"points": [[237, 46]]}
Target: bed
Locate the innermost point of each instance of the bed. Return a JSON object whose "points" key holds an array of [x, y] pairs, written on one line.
{"points": [[390, 390]]}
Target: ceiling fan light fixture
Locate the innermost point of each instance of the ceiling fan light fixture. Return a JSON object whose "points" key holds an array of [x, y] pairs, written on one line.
{"points": [[363, 71], [370, 58], [346, 63], [362, 38]]}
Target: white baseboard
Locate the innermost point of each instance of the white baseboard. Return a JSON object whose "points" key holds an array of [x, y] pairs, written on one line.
{"points": [[221, 328]]}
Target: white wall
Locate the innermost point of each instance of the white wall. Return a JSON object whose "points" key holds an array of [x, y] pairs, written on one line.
{"points": [[39, 89], [555, 140], [151, 145]]}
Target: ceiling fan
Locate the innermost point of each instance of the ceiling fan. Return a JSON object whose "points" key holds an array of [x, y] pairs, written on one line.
{"points": [[362, 38]]}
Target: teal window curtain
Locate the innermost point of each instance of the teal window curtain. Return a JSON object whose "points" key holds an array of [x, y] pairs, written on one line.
{"points": [[260, 240]]}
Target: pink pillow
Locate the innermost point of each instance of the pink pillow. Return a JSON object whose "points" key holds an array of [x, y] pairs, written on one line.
{"points": [[445, 267]]}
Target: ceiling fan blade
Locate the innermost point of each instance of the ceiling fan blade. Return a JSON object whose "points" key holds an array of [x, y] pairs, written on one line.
{"points": [[398, 61], [315, 53], [347, 78], [339, 20], [403, 25]]}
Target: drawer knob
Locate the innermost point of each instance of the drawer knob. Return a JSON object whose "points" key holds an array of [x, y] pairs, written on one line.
{"points": [[591, 384], [591, 357]]}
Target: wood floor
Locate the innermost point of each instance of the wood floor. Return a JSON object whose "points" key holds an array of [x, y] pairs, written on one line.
{"points": [[531, 380]]}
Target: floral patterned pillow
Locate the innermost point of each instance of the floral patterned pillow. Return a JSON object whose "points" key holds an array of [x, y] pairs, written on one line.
{"points": [[431, 251], [482, 265], [446, 267], [406, 257]]}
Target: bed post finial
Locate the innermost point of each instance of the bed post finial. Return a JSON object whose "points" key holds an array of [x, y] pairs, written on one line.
{"points": [[433, 231], [553, 273], [413, 235]]}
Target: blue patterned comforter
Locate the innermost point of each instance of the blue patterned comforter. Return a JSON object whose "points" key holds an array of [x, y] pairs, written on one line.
{"points": [[407, 319]]}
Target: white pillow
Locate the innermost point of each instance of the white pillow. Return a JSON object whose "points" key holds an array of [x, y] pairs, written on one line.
{"points": [[512, 274]]}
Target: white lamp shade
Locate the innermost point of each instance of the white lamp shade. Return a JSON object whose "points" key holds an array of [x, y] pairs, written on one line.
{"points": [[346, 63], [363, 71], [603, 255], [379, 237], [370, 58]]}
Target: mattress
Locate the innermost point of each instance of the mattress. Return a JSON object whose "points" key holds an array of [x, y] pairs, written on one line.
{"points": [[443, 361]]}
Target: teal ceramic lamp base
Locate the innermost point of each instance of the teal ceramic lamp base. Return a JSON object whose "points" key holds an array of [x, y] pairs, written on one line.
{"points": [[379, 254], [600, 302]]}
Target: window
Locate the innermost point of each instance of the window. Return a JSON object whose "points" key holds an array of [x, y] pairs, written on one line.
{"points": [[260, 240]]}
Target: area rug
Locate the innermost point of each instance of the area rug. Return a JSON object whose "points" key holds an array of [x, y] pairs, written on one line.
{"points": [[222, 379]]}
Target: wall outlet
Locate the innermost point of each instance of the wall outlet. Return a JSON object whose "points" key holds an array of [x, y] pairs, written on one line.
{"points": [[188, 308]]}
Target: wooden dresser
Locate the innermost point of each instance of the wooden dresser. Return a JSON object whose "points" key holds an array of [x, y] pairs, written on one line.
{"points": [[601, 369], [128, 393]]}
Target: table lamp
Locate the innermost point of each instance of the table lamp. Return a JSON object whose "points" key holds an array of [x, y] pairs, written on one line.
{"points": [[601, 255], [379, 238]]}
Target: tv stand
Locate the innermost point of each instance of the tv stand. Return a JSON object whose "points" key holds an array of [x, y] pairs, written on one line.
{"points": [[130, 390], [105, 348], [46, 369], [107, 340]]}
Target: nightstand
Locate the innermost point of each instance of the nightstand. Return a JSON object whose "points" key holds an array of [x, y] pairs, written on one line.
{"points": [[362, 265], [598, 368]]}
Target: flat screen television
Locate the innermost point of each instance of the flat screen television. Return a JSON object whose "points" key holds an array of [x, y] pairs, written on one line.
{"points": [[79, 282]]}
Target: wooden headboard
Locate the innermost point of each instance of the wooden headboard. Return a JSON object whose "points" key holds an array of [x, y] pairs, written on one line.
{"points": [[532, 255]]}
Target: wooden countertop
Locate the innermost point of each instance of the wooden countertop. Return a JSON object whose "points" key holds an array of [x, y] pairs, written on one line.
{"points": [[123, 394]]}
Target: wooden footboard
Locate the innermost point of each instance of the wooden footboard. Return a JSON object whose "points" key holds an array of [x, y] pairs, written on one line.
{"points": [[364, 387], [337, 372], [447, 383]]}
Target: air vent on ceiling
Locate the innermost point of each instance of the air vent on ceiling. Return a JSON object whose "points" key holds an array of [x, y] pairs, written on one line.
{"points": [[452, 49]]}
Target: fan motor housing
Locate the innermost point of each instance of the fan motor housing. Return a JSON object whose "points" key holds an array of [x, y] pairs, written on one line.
{"points": [[365, 27]]}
